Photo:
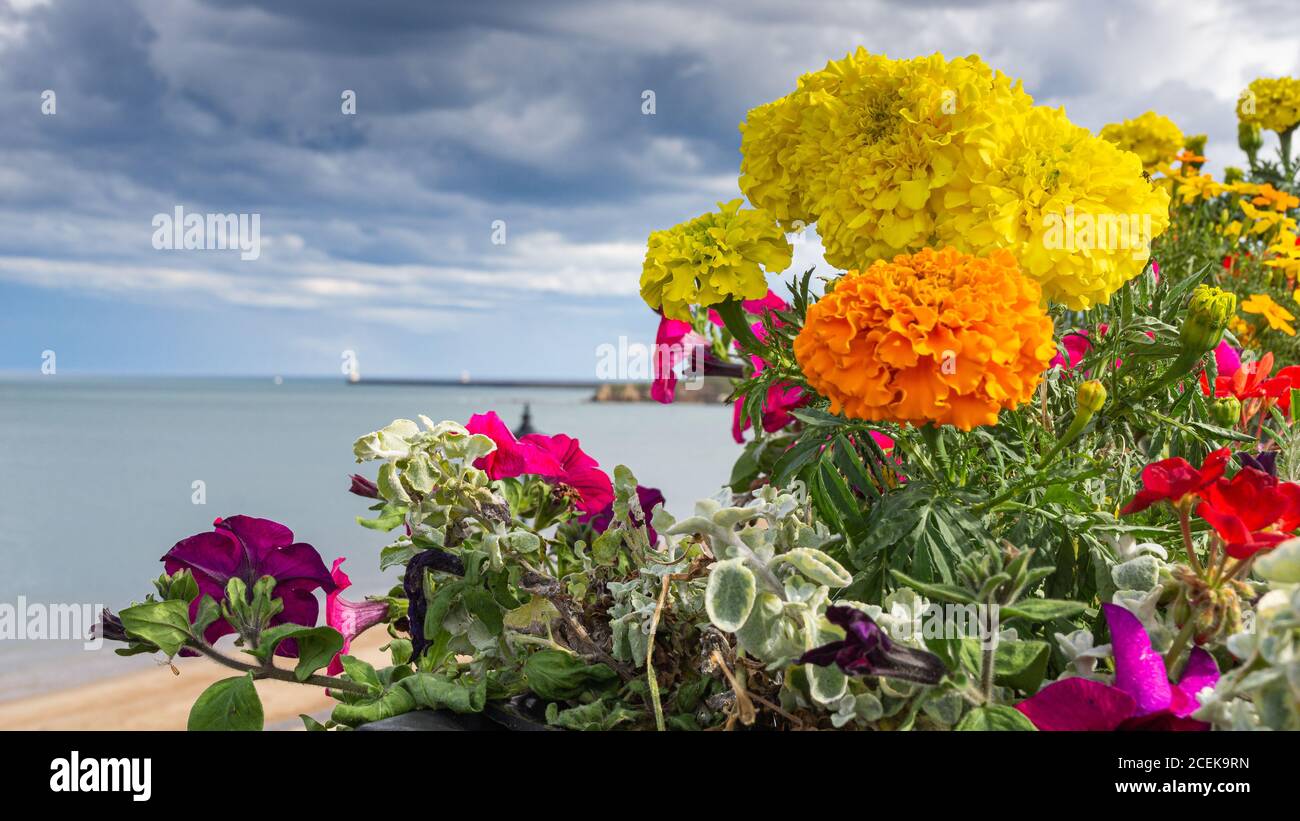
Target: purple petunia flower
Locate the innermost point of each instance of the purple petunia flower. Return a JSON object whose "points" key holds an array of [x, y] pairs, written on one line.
{"points": [[647, 496], [1142, 697], [1265, 462], [867, 651], [248, 548]]}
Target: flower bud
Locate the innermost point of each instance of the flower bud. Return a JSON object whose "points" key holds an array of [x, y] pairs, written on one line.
{"points": [[1249, 138], [1207, 316], [1226, 412], [1090, 397], [362, 486], [1196, 144], [1232, 175]]}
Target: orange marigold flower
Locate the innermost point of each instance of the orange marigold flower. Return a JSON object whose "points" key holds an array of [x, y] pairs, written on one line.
{"points": [[935, 336]]}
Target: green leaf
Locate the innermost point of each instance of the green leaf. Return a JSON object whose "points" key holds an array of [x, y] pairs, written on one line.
{"points": [[209, 611], [183, 587], [937, 590], [593, 716], [817, 566], [558, 676], [229, 704], [1019, 664], [390, 485], [996, 718], [730, 594], [433, 692], [316, 646], [394, 701], [1043, 609], [480, 602], [311, 724], [361, 672], [389, 517], [395, 554], [162, 623]]}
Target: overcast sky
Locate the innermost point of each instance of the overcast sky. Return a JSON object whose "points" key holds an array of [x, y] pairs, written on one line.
{"points": [[377, 228]]}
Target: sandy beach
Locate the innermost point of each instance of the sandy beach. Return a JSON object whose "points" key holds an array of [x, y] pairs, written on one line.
{"points": [[157, 699]]}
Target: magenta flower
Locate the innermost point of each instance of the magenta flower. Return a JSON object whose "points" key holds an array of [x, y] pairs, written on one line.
{"points": [[675, 342], [247, 548], [647, 496], [1077, 346], [512, 457], [349, 618], [1142, 697], [573, 469], [781, 399], [1227, 359]]}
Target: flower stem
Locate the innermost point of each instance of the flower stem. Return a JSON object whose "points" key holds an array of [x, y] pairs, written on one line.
{"points": [[272, 672], [1185, 524], [1180, 641]]}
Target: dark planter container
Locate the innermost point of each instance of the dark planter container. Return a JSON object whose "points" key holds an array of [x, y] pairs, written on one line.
{"points": [[519, 715]]}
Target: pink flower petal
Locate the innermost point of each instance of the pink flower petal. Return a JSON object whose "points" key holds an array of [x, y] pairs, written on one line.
{"points": [[1139, 669], [1200, 672], [1077, 704]]}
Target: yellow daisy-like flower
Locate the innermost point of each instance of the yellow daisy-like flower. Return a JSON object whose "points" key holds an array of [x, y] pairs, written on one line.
{"points": [[1153, 137], [1266, 221], [713, 258], [1278, 318], [1243, 330], [1191, 186], [1074, 209], [891, 156], [935, 336], [1272, 103]]}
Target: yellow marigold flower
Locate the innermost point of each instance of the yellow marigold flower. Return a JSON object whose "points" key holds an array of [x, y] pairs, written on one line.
{"points": [[1153, 137], [890, 156], [1073, 208], [713, 258], [1278, 318], [1272, 103], [935, 336], [867, 146]]}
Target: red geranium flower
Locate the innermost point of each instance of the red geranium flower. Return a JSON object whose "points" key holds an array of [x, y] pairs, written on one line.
{"points": [[1252, 511], [1174, 479]]}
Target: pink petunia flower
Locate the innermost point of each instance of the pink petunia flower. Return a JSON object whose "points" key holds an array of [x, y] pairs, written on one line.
{"points": [[575, 469], [512, 457], [349, 618], [1141, 698], [675, 342]]}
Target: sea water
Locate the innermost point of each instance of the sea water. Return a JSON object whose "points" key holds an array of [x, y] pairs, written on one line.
{"points": [[99, 477]]}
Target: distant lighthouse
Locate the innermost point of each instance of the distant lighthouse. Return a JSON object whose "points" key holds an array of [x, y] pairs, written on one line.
{"points": [[525, 424]]}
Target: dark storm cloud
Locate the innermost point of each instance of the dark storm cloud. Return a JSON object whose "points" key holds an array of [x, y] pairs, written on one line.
{"points": [[526, 112]]}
